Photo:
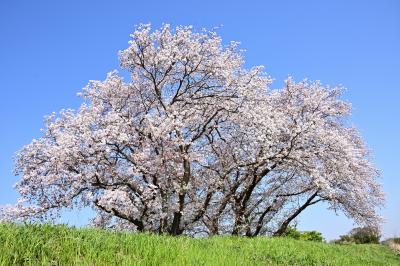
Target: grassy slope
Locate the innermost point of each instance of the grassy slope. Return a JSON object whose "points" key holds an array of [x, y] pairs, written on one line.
{"points": [[60, 245]]}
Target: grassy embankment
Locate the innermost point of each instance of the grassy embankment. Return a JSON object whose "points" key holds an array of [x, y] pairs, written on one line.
{"points": [[60, 245]]}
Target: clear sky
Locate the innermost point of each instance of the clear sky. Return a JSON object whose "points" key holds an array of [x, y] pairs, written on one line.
{"points": [[49, 50]]}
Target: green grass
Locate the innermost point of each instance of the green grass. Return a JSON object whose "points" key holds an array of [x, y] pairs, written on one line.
{"points": [[60, 245]]}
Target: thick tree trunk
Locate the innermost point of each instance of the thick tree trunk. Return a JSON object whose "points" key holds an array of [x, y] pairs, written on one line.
{"points": [[175, 227]]}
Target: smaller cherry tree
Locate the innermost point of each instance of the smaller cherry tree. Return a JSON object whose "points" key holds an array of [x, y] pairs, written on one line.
{"points": [[195, 143]]}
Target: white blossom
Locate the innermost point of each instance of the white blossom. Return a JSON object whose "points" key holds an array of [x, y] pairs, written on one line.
{"points": [[196, 143]]}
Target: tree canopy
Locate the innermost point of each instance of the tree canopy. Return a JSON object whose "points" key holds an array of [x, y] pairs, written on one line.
{"points": [[194, 143]]}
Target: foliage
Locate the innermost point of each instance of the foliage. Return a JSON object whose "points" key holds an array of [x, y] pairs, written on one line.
{"points": [[196, 144], [59, 245], [292, 232], [361, 235]]}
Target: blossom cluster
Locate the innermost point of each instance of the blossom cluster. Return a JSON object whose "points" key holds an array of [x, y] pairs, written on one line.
{"points": [[195, 143]]}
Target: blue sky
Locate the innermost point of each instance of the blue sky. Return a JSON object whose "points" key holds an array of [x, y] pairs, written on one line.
{"points": [[49, 50]]}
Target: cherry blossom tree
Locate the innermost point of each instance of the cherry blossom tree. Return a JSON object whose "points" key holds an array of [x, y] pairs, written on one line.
{"points": [[195, 143]]}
